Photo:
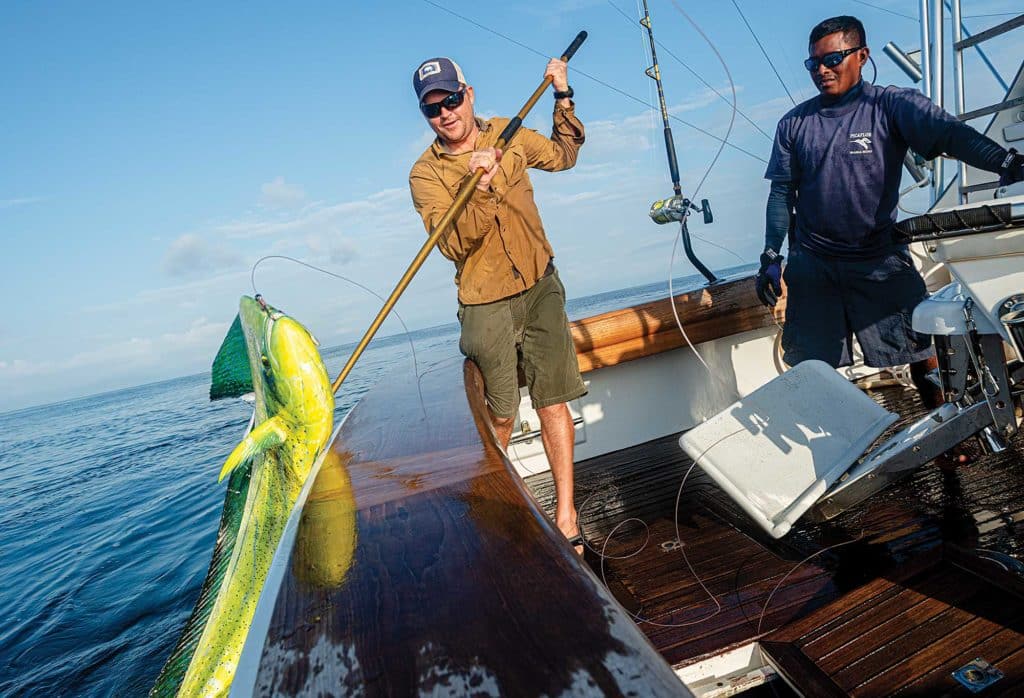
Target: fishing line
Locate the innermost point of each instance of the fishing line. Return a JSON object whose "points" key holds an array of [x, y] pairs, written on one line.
{"points": [[721, 247], [692, 71], [912, 187], [797, 566], [714, 161], [678, 541], [885, 9], [519, 460], [764, 609], [609, 86], [732, 87], [765, 53], [408, 335], [652, 87], [602, 553]]}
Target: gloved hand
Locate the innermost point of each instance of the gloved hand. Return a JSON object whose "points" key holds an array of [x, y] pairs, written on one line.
{"points": [[1012, 169], [769, 278]]}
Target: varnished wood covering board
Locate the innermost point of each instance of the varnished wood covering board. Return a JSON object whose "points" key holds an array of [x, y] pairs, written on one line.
{"points": [[457, 583], [908, 527], [712, 312]]}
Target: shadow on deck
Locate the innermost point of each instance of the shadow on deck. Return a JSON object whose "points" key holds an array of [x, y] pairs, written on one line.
{"points": [[917, 536]]}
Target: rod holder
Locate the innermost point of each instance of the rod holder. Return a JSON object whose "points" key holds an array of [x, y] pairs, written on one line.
{"points": [[903, 61]]}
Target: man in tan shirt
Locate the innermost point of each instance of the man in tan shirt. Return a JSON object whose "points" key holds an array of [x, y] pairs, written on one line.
{"points": [[511, 301]]}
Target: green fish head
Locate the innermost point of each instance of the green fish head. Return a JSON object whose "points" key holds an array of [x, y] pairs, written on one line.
{"points": [[288, 376]]}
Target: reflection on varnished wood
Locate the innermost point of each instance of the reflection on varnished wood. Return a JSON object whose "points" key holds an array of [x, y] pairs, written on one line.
{"points": [[708, 313], [326, 538], [458, 583]]}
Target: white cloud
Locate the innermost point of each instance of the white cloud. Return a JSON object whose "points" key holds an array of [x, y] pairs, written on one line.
{"points": [[23, 201], [333, 248], [382, 207], [168, 294], [125, 354], [608, 138], [421, 143], [191, 254], [280, 194]]}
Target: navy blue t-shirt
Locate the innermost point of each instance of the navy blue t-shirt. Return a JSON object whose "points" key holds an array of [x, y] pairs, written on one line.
{"points": [[845, 161]]}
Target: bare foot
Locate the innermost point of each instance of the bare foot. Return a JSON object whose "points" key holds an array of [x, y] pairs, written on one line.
{"points": [[574, 535]]}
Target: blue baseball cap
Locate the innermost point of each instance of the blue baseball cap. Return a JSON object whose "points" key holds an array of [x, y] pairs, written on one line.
{"points": [[437, 74]]}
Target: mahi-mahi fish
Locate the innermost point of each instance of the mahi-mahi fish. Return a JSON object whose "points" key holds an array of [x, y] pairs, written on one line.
{"points": [[276, 358]]}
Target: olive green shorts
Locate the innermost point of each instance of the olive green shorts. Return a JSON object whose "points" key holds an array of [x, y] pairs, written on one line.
{"points": [[528, 329]]}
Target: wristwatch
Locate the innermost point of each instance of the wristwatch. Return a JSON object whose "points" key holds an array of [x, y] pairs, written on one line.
{"points": [[564, 95]]}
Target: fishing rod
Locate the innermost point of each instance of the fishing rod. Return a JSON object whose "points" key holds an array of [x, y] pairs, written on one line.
{"points": [[453, 211], [677, 207]]}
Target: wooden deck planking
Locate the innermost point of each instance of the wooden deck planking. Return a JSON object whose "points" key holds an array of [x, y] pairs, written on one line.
{"points": [[925, 625], [737, 568], [907, 527]]}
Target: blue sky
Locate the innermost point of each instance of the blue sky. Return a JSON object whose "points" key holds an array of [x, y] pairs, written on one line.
{"points": [[152, 154]]}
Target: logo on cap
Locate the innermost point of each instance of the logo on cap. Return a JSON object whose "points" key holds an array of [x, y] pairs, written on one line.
{"points": [[429, 68]]}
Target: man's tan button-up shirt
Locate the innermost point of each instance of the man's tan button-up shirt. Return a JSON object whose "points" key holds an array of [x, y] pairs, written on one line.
{"points": [[498, 242]]}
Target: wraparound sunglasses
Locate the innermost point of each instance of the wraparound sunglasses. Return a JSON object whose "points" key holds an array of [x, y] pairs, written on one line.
{"points": [[831, 59], [452, 101]]}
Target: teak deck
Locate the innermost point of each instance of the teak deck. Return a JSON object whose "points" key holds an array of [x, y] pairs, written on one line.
{"points": [[915, 588]]}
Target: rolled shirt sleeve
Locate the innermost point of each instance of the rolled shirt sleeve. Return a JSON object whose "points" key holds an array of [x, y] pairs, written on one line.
{"points": [[558, 152], [432, 199], [497, 243]]}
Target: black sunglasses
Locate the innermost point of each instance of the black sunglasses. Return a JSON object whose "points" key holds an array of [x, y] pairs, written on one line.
{"points": [[452, 101], [830, 60]]}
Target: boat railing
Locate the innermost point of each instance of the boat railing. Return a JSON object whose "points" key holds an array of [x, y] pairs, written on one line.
{"points": [[932, 66], [961, 44]]}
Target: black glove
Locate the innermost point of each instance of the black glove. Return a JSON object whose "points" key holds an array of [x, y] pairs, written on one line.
{"points": [[1012, 169], [769, 277]]}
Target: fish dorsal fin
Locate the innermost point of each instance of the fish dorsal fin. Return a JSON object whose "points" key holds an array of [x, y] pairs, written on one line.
{"points": [[265, 436], [231, 374]]}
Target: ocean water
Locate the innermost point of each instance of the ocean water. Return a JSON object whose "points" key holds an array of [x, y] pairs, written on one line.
{"points": [[110, 506]]}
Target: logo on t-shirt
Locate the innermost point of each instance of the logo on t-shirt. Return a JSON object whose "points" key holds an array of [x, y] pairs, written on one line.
{"points": [[862, 141]]}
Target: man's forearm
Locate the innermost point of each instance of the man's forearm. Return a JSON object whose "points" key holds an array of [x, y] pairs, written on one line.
{"points": [[974, 148], [779, 214]]}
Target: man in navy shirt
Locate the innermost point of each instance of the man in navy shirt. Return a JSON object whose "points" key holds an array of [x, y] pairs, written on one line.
{"points": [[835, 171]]}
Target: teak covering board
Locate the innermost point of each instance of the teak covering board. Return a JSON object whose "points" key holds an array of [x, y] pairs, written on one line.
{"points": [[457, 581], [712, 312]]}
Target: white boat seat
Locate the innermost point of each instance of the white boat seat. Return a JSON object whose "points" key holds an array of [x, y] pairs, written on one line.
{"points": [[776, 451], [943, 314]]}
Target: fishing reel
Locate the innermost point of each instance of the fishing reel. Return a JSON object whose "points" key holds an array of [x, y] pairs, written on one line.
{"points": [[676, 208]]}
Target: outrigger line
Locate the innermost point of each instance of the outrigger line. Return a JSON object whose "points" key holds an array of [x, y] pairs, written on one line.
{"points": [[677, 207], [724, 142], [697, 75]]}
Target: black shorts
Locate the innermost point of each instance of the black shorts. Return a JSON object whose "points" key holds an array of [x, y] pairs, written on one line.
{"points": [[829, 300]]}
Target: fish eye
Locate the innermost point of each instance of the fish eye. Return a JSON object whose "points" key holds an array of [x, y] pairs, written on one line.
{"points": [[264, 360]]}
